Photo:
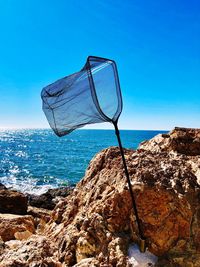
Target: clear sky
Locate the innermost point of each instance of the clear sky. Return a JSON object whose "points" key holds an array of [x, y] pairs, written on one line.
{"points": [[156, 45]]}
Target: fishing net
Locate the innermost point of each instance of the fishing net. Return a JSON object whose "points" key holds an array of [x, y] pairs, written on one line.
{"points": [[91, 95]]}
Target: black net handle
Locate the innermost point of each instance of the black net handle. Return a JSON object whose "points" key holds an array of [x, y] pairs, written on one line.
{"points": [[134, 206]]}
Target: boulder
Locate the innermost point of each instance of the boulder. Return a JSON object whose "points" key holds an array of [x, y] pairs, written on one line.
{"points": [[14, 226], [165, 217], [2, 186], [49, 199], [96, 221], [12, 202]]}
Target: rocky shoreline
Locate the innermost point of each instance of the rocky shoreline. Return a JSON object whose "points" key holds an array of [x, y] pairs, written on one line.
{"points": [[93, 224], [25, 212]]}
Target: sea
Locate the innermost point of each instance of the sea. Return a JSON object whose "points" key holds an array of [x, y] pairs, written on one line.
{"points": [[35, 160]]}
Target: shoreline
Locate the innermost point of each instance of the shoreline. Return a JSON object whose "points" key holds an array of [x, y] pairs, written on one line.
{"points": [[46, 200], [38, 160]]}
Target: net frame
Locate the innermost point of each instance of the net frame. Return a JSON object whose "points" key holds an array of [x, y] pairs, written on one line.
{"points": [[118, 88], [53, 94]]}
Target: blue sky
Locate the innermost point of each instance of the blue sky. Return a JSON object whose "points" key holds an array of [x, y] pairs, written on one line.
{"points": [[156, 45]]}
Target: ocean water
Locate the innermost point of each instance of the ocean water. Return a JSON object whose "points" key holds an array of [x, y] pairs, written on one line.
{"points": [[35, 160]]}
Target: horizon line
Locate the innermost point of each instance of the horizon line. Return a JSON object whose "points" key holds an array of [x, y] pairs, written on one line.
{"points": [[46, 128]]}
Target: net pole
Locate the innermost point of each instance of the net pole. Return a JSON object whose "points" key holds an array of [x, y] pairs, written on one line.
{"points": [[134, 206]]}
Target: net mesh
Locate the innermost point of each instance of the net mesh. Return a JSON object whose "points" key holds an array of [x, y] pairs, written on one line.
{"points": [[89, 96]]}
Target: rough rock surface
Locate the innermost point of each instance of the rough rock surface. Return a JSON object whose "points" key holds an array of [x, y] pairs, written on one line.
{"points": [[12, 225], [94, 225], [12, 202], [39, 213], [182, 140], [35, 252], [49, 199], [94, 222]]}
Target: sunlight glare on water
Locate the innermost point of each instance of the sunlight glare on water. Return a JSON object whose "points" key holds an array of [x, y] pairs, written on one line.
{"points": [[36, 160]]}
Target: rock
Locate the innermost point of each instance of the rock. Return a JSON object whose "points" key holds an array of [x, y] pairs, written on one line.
{"points": [[12, 202], [95, 220], [11, 225], [49, 199], [182, 140], [23, 235], [39, 213], [94, 225], [92, 262], [165, 217], [37, 251], [41, 218], [2, 186], [11, 244], [2, 246]]}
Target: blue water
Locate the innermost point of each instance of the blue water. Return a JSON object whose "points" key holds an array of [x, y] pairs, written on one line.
{"points": [[35, 160]]}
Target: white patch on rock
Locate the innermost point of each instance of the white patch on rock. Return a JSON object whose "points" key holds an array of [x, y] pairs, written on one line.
{"points": [[196, 169], [198, 176], [138, 259]]}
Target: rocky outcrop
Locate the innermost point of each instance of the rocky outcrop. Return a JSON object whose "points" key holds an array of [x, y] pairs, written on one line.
{"points": [[16, 226], [95, 224], [185, 141], [95, 221], [12, 202]]}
